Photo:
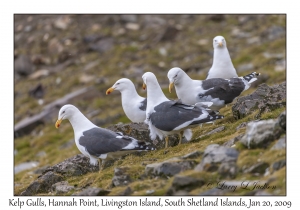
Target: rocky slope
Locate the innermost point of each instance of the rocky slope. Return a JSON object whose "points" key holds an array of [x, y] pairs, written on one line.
{"points": [[63, 59]]}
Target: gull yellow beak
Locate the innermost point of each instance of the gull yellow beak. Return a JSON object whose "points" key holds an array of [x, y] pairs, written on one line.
{"points": [[220, 44], [144, 86], [171, 87], [57, 124], [109, 90]]}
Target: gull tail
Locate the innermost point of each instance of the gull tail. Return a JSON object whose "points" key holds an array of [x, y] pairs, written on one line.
{"points": [[251, 77], [135, 145], [209, 118], [141, 145]]}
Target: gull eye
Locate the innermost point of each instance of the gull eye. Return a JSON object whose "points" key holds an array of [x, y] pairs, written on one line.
{"points": [[118, 83], [176, 75], [63, 112]]}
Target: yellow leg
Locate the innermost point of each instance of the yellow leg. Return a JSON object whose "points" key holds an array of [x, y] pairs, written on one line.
{"points": [[167, 142], [180, 136], [100, 165]]}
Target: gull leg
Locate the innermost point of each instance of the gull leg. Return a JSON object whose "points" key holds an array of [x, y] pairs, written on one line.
{"points": [[100, 165], [103, 164], [167, 141], [180, 137]]}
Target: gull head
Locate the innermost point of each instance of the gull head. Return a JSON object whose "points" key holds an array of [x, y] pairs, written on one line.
{"points": [[120, 85], [174, 75], [65, 112], [148, 78], [219, 42]]}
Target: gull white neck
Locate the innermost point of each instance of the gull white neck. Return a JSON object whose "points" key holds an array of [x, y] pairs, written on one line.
{"points": [[80, 123], [222, 58], [155, 94], [129, 94]]}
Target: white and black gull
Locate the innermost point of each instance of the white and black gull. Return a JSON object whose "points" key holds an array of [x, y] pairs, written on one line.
{"points": [[165, 117], [222, 66], [216, 90], [133, 104], [96, 142]]}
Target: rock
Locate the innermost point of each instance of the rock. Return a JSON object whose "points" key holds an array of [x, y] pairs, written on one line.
{"points": [[223, 187], [40, 60], [92, 38], [254, 40], [169, 167], [141, 132], [50, 111], [25, 166], [262, 193], [127, 191], [238, 33], [228, 170], [280, 65], [129, 18], [84, 78], [262, 133], [203, 42], [55, 47], [264, 99], [275, 32], [61, 188], [43, 184], [120, 177], [215, 155], [245, 67], [213, 192], [74, 166], [39, 74], [68, 144], [282, 120], [217, 17], [37, 92], [184, 183], [192, 155], [162, 51], [231, 142], [103, 45], [149, 192], [23, 65], [91, 65], [263, 78], [132, 26], [217, 130], [273, 55], [279, 164], [62, 22], [168, 34], [92, 191], [280, 144], [258, 168], [242, 125], [41, 170]]}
